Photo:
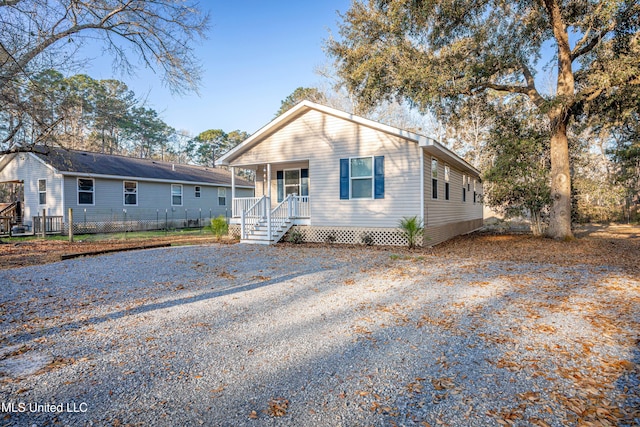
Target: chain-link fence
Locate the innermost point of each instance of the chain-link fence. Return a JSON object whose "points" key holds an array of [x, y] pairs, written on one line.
{"points": [[127, 220]]}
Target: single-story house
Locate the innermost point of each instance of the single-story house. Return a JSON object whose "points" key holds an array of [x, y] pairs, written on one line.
{"points": [[334, 176], [117, 190]]}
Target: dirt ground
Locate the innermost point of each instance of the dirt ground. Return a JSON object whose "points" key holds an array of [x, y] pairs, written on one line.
{"points": [[35, 252], [611, 245]]}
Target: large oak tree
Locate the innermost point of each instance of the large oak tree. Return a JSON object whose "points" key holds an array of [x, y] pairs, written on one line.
{"points": [[432, 52]]}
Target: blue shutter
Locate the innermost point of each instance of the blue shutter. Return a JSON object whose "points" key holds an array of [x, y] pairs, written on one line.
{"points": [[379, 177], [280, 183], [344, 179], [304, 182]]}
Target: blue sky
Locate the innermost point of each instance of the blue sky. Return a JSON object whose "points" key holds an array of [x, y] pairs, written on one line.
{"points": [[257, 53]]}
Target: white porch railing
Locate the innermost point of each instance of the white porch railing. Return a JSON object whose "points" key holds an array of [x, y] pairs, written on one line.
{"points": [[284, 211], [243, 204], [250, 217], [301, 207], [259, 213]]}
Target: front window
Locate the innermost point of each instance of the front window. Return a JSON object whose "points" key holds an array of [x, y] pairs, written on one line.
{"points": [[361, 177], [176, 194], [222, 196], [42, 191], [86, 189], [130, 193], [198, 191]]}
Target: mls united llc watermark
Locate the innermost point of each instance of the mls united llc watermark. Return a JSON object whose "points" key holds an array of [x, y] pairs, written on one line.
{"points": [[37, 408]]}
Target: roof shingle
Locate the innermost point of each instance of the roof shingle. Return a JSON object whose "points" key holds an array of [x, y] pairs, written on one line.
{"points": [[84, 162]]}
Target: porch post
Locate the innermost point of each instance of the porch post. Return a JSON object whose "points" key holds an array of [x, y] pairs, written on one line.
{"points": [[269, 201], [269, 182], [233, 191]]}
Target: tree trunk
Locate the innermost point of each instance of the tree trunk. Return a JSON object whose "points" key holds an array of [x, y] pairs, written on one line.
{"points": [[560, 218], [536, 222]]}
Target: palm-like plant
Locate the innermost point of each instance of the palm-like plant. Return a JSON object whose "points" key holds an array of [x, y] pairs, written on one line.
{"points": [[411, 228]]}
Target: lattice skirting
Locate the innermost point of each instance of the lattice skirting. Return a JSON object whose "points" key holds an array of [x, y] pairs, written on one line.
{"points": [[234, 230], [351, 235]]}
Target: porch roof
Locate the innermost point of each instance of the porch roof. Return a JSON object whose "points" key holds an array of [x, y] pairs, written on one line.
{"points": [[429, 145]]}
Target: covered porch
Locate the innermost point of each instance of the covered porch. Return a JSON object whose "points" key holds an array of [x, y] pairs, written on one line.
{"points": [[274, 183], [281, 200]]}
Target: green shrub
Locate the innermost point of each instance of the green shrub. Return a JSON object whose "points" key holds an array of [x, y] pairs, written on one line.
{"points": [[295, 237], [219, 226], [367, 239], [411, 228], [331, 238]]}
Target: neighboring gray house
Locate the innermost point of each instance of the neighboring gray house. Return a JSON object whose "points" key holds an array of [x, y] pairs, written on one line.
{"points": [[124, 191], [334, 176]]}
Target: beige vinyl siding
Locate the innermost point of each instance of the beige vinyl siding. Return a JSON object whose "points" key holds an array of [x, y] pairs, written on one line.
{"points": [[447, 218], [26, 167], [322, 140]]}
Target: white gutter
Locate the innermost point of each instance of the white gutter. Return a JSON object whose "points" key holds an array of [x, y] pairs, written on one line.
{"points": [[434, 147]]}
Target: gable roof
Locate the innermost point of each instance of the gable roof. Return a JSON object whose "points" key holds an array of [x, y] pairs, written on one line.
{"points": [[428, 144], [85, 163]]}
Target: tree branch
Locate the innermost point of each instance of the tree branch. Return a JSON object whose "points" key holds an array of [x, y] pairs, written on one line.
{"points": [[579, 50]]}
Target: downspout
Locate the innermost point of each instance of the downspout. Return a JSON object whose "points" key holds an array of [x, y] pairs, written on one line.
{"points": [[422, 210], [64, 214], [233, 192], [422, 206], [268, 201]]}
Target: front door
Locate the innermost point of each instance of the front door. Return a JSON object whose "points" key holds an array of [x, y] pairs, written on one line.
{"points": [[292, 181]]}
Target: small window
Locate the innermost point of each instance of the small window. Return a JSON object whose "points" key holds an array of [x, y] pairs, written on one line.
{"points": [[447, 172], [475, 195], [130, 193], [86, 189], [361, 177], [42, 191], [222, 196], [434, 178], [464, 188], [198, 191], [176, 194]]}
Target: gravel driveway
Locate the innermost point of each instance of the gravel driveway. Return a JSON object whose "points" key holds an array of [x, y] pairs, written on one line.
{"points": [[237, 335]]}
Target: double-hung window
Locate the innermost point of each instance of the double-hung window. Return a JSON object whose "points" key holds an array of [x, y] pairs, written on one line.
{"points": [[130, 193], [42, 191], [434, 178], [176, 194], [222, 196], [464, 188], [361, 177], [198, 191], [475, 194], [86, 191], [447, 172]]}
